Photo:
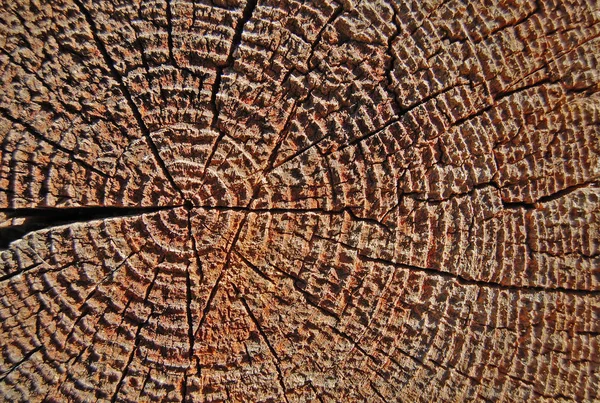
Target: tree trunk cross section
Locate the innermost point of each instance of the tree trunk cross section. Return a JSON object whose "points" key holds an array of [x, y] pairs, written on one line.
{"points": [[388, 200]]}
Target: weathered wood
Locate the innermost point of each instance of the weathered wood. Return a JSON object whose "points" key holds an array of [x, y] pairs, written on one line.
{"points": [[290, 201]]}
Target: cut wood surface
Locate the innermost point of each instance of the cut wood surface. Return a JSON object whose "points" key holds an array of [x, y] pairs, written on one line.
{"points": [[220, 200]]}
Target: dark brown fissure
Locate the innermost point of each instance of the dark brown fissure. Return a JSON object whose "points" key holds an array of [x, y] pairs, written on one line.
{"points": [[35, 219]]}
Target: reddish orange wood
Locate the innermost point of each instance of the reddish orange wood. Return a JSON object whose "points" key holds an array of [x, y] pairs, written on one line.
{"points": [[299, 201]]}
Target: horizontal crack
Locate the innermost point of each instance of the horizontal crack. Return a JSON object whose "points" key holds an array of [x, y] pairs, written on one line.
{"points": [[480, 283], [551, 197], [46, 217], [38, 218]]}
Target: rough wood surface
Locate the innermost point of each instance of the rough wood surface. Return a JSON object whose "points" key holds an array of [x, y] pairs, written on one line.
{"points": [[291, 201]]}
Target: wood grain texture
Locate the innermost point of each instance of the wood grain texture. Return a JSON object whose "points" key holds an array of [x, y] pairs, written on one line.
{"points": [[220, 200]]}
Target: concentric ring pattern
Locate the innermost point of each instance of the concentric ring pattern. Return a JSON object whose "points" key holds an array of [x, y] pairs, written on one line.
{"points": [[388, 200]]}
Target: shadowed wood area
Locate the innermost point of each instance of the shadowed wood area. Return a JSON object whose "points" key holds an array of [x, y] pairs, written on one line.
{"points": [[331, 201]]}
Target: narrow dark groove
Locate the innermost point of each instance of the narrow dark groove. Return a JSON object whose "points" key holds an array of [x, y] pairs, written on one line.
{"points": [[146, 379], [235, 43], [184, 388], [283, 210], [266, 340], [19, 271], [566, 191], [298, 153], [207, 306], [473, 115], [337, 331], [280, 138], [228, 393], [188, 206], [299, 285], [377, 392], [170, 32], [277, 210], [188, 297], [371, 133], [481, 283], [319, 398], [18, 364], [254, 268], [131, 357], [390, 53], [215, 287], [41, 218], [85, 309], [39, 136], [507, 93], [313, 46], [237, 37], [137, 339], [257, 324], [421, 102], [126, 94], [213, 100]]}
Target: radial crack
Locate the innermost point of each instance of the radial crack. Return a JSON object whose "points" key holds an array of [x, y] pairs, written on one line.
{"points": [[137, 338], [130, 358], [480, 283], [262, 333], [125, 91], [215, 287], [20, 362], [38, 218], [33, 131], [188, 283], [216, 88]]}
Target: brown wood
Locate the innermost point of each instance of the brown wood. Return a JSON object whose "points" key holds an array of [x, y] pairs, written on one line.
{"points": [[299, 201]]}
